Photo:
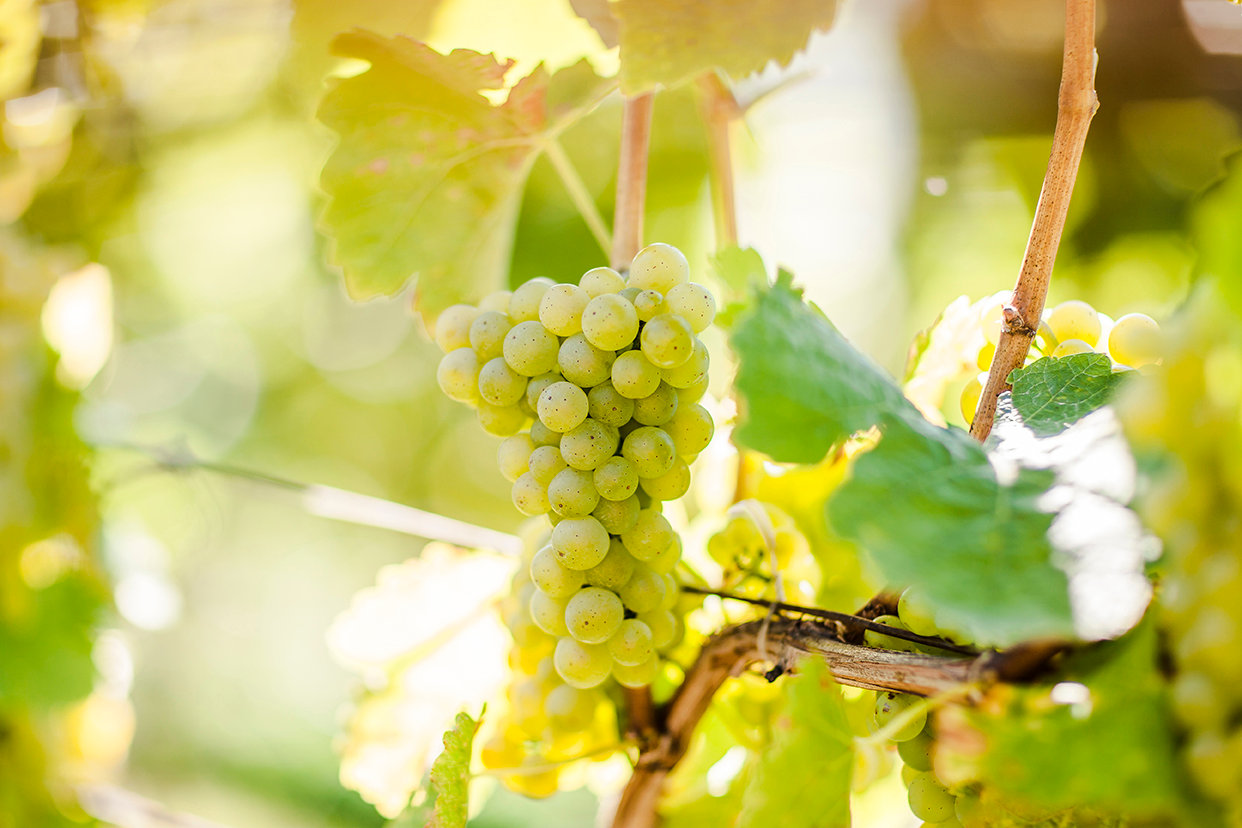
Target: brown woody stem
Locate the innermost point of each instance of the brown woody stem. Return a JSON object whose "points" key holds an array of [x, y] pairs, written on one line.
{"points": [[720, 109], [1076, 104], [627, 222]]}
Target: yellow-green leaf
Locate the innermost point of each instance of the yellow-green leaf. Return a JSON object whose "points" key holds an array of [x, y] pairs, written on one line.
{"points": [[450, 775]]}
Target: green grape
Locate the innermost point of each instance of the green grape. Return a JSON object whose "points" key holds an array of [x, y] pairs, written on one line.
{"points": [[691, 429], [969, 401], [650, 450], [664, 562], [634, 376], [453, 327], [632, 644], [487, 334], [513, 456], [529, 497], [650, 535], [691, 394], [694, 303], [929, 800], [671, 485], [648, 304], [524, 303], [562, 406], [990, 320], [544, 436], [498, 301], [606, 404], [672, 589], [582, 665], [610, 322], [984, 360], [1075, 319], [916, 613], [548, 613], [617, 515], [614, 571], [536, 385], [890, 705], [638, 675], [500, 420], [561, 309], [582, 363], [658, 407], [458, 375], [691, 373], [499, 384], [545, 463], [580, 543], [572, 493], [1136, 340], [644, 591], [600, 280], [1070, 347], [589, 445], [916, 752], [630, 294], [888, 642], [659, 267], [593, 615], [663, 626], [569, 708], [667, 341], [529, 349], [616, 478], [552, 579]]}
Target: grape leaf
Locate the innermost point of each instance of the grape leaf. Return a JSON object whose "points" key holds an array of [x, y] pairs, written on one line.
{"points": [[1102, 738], [428, 174], [450, 775], [933, 513], [803, 778], [803, 387], [664, 42], [1213, 226], [1050, 394]]}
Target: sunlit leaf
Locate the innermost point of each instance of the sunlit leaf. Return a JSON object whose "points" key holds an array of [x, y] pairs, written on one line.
{"points": [[450, 775], [1050, 394]]}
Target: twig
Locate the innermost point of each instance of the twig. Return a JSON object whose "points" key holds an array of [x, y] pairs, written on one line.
{"points": [[1076, 104], [627, 222], [720, 109], [346, 506], [578, 193]]}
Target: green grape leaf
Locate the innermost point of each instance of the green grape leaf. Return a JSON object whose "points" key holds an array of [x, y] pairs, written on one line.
{"points": [[450, 775], [803, 777], [803, 387], [1051, 394], [664, 42], [428, 174], [1100, 738], [1213, 229], [45, 643], [932, 513]]}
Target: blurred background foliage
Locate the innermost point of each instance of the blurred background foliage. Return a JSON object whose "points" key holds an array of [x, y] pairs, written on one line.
{"points": [[158, 190]]}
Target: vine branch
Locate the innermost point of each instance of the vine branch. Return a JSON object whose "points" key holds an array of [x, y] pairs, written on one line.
{"points": [[627, 222], [578, 193], [1076, 105], [719, 110]]}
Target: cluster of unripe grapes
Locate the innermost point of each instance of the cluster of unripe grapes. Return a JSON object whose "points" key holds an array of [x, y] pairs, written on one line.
{"points": [[1189, 419], [595, 387], [741, 547], [1072, 327]]}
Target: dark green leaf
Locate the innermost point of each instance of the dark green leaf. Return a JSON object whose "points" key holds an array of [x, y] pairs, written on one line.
{"points": [[1051, 394], [450, 775]]}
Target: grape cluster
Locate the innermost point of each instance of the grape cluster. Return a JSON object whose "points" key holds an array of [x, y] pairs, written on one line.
{"points": [[1072, 327], [1186, 422], [741, 549], [596, 388]]}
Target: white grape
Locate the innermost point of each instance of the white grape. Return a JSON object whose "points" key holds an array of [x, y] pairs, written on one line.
{"points": [[610, 322], [593, 615], [561, 309], [667, 341], [694, 303], [453, 327], [659, 267], [530, 349], [562, 406]]}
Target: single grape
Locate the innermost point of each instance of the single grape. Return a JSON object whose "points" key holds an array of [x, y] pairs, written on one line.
{"points": [[487, 334], [545, 463], [658, 407], [634, 376], [970, 398], [667, 341], [890, 705], [990, 320], [513, 456], [1069, 347], [929, 800], [664, 562], [671, 485], [649, 304], [614, 571], [650, 535], [617, 515], [916, 612], [644, 591], [873, 638], [694, 303], [498, 301], [582, 363], [916, 752], [616, 478], [1074, 319], [580, 543], [569, 708], [593, 615], [610, 322], [544, 436], [650, 450], [1136, 340], [552, 579], [638, 675], [984, 361], [691, 373], [659, 267], [663, 626], [562, 406], [572, 493], [691, 394], [606, 404], [499, 384], [529, 349], [589, 445], [458, 375], [600, 280], [529, 497], [548, 613], [536, 385], [672, 588], [500, 420], [691, 429], [453, 327], [561, 309], [582, 665], [524, 303], [632, 644]]}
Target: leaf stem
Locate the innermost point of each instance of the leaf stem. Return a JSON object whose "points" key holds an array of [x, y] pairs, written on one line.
{"points": [[1076, 105], [719, 110], [578, 193], [627, 223]]}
